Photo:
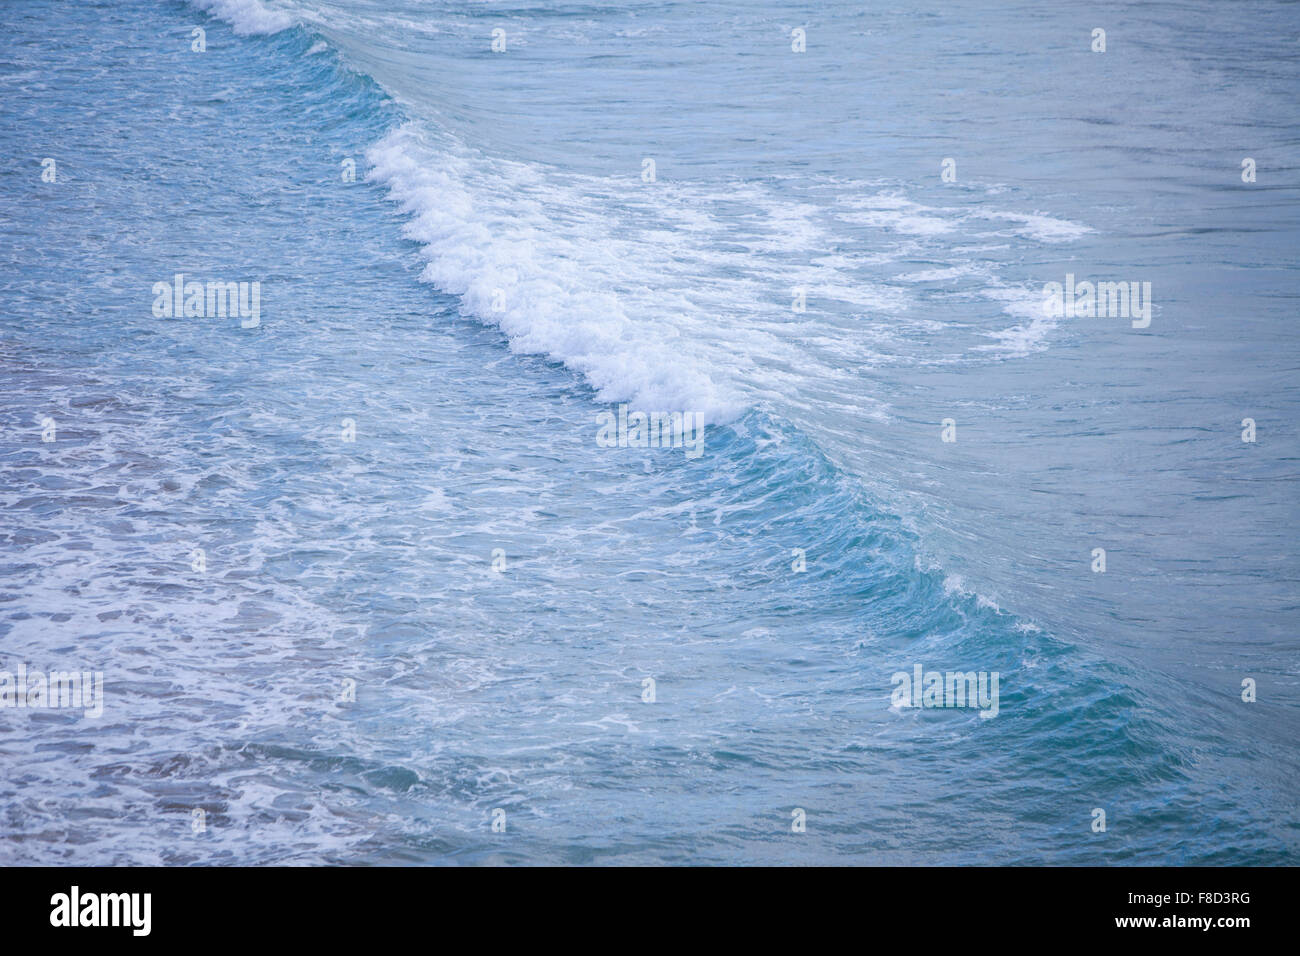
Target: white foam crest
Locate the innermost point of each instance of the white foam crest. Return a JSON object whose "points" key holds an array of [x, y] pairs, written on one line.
{"points": [[497, 255], [247, 17], [648, 290]]}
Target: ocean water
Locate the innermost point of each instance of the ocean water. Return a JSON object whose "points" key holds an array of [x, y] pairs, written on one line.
{"points": [[429, 600]]}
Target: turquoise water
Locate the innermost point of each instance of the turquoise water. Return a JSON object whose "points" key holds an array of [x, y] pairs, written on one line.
{"points": [[498, 275]]}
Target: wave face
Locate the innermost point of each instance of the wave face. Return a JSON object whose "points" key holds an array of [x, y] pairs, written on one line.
{"points": [[496, 586]]}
